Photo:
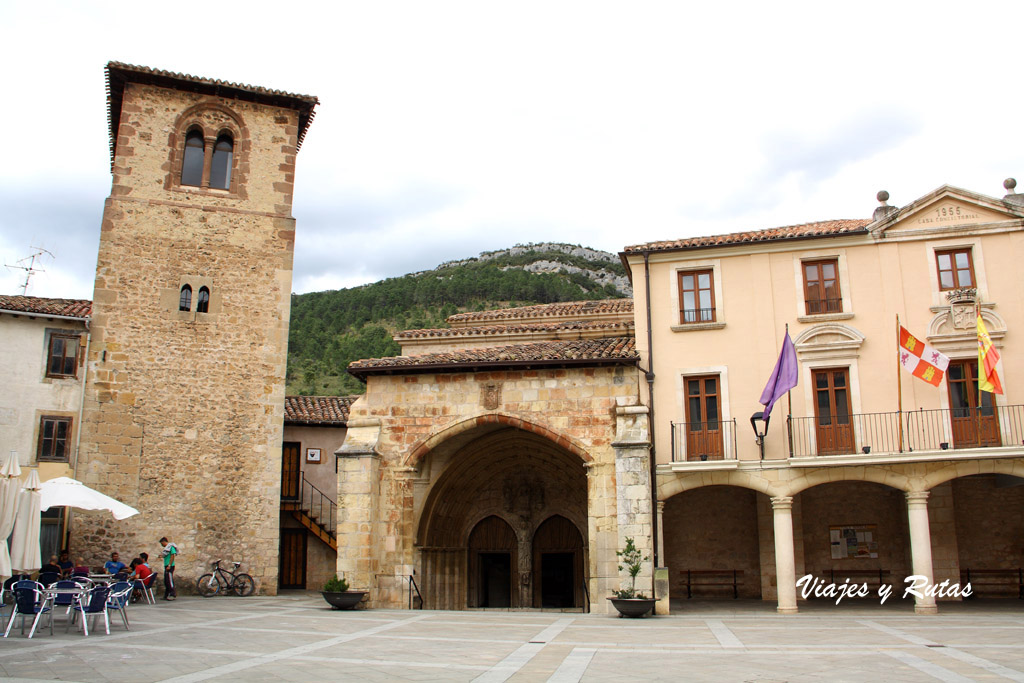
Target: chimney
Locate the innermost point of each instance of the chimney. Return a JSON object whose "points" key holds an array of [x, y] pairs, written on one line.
{"points": [[883, 210]]}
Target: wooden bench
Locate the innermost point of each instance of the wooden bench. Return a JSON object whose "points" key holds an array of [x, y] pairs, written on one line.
{"points": [[1008, 578], [873, 578], [698, 578]]}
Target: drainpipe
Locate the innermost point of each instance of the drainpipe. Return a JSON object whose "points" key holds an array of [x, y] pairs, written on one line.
{"points": [[65, 542], [650, 415]]}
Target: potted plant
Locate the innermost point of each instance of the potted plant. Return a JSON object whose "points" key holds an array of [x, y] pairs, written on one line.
{"points": [[338, 596], [628, 601]]}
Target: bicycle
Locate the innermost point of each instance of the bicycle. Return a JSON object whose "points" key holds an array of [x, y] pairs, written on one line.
{"points": [[223, 580]]}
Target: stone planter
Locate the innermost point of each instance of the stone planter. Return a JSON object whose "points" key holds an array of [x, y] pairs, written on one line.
{"points": [[346, 600], [633, 608]]}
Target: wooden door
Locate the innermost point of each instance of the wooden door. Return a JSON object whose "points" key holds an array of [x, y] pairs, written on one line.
{"points": [[833, 419], [972, 413], [292, 572], [703, 418], [291, 468]]}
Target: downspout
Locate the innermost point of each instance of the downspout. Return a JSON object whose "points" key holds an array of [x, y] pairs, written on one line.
{"points": [[66, 542], [650, 414]]}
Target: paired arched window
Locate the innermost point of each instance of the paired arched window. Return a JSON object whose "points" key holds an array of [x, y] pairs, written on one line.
{"points": [[207, 166], [185, 300], [203, 300]]}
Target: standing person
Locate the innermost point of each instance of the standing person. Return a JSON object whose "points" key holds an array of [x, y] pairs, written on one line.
{"points": [[169, 552]]}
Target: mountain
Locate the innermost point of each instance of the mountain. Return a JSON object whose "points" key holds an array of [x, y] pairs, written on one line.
{"points": [[333, 328]]}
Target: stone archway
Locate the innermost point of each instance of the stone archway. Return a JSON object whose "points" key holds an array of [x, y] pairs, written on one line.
{"points": [[488, 477]]}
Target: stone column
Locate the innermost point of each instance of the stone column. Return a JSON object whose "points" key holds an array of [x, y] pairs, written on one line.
{"points": [[633, 490], [661, 533], [921, 547], [358, 493], [661, 580], [785, 554]]}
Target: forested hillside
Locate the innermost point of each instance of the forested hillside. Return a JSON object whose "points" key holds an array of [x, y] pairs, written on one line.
{"points": [[331, 329]]}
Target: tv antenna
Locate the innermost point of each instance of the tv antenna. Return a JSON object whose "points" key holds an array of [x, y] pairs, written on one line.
{"points": [[30, 269]]}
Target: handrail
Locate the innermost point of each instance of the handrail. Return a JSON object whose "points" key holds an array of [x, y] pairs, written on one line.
{"points": [[937, 429], [412, 586], [317, 504], [586, 593]]}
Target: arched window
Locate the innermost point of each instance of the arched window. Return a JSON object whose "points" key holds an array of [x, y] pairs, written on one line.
{"points": [[192, 164], [185, 302], [203, 300], [220, 169]]}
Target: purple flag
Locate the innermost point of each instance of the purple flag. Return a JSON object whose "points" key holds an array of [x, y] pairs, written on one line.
{"points": [[783, 377]]}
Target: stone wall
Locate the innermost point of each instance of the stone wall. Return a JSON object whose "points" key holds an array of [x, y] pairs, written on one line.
{"points": [[184, 410]]}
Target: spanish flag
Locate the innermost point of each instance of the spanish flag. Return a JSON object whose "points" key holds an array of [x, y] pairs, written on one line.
{"points": [[920, 359], [988, 358]]}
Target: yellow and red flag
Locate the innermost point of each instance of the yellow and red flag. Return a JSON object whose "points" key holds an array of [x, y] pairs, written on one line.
{"points": [[988, 358], [920, 359]]}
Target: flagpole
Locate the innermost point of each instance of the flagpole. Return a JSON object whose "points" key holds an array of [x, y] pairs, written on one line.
{"points": [[899, 384], [789, 406], [977, 379]]}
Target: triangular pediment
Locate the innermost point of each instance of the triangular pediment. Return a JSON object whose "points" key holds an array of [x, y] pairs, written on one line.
{"points": [[945, 209]]}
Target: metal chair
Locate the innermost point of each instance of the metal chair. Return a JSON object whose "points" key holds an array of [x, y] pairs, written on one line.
{"points": [[120, 595], [29, 599], [95, 603], [64, 599], [48, 578], [146, 586]]}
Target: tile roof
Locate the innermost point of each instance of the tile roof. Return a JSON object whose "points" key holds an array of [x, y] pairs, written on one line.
{"points": [[119, 73], [317, 409], [526, 327], [67, 308], [789, 232], [610, 350], [568, 308]]}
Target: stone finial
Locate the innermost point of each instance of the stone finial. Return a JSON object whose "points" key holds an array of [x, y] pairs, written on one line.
{"points": [[883, 210], [1012, 197]]}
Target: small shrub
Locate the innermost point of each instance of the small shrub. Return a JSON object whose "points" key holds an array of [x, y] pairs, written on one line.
{"points": [[632, 560], [335, 585]]}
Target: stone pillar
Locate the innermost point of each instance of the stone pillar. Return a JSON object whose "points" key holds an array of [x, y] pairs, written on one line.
{"points": [[661, 579], [661, 532], [633, 490], [921, 547], [358, 494], [945, 547], [785, 554]]}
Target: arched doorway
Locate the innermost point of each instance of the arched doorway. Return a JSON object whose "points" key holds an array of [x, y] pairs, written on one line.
{"points": [[485, 494], [492, 557], [557, 564]]}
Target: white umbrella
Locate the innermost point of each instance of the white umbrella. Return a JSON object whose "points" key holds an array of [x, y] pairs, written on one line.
{"points": [[9, 488], [73, 493], [25, 553]]}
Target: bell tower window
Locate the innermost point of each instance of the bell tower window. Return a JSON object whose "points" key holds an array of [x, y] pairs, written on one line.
{"points": [[203, 300], [220, 168], [192, 163], [185, 301]]}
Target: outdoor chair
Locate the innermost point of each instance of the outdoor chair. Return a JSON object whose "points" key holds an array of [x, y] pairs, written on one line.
{"points": [[29, 599], [65, 600], [95, 603], [120, 594], [146, 588], [48, 578]]}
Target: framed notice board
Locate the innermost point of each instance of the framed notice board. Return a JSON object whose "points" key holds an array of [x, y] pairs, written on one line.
{"points": [[853, 541]]}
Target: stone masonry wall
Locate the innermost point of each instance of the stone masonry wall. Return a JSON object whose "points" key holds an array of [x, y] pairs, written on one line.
{"points": [[410, 422], [184, 411]]}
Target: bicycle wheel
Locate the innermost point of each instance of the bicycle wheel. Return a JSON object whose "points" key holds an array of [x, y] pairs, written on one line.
{"points": [[208, 585], [243, 585]]}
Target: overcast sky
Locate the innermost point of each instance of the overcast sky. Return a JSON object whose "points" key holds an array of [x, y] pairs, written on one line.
{"points": [[446, 129]]}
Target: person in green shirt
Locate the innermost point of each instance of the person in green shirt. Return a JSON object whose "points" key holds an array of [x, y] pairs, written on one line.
{"points": [[169, 553]]}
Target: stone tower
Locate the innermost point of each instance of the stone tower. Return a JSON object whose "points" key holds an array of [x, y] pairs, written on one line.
{"points": [[186, 366]]}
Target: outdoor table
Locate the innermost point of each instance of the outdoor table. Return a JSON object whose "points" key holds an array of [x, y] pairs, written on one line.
{"points": [[102, 578], [50, 594]]}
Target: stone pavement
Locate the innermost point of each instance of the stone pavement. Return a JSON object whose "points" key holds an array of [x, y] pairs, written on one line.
{"points": [[294, 637]]}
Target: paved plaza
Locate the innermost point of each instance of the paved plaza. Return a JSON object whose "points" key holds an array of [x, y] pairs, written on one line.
{"points": [[294, 637]]}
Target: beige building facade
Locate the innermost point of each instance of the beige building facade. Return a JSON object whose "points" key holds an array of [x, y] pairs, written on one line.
{"points": [[849, 487]]}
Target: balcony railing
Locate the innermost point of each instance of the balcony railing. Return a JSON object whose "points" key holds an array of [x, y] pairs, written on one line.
{"points": [[701, 441], [922, 430], [818, 306], [697, 315]]}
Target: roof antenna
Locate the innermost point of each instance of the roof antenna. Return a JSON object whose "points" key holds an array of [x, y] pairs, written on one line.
{"points": [[30, 269]]}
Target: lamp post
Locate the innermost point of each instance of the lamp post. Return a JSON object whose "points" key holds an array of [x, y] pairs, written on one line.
{"points": [[759, 423]]}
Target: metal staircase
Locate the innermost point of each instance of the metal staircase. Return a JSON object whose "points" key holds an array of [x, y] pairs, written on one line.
{"points": [[313, 510]]}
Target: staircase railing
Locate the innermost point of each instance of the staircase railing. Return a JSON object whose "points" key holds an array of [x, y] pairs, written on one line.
{"points": [[317, 504], [414, 587]]}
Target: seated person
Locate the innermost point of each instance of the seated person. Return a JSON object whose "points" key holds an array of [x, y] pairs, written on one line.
{"points": [[51, 567], [115, 564], [80, 568], [140, 576], [65, 563]]}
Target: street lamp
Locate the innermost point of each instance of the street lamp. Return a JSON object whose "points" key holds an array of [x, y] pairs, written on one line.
{"points": [[759, 423]]}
